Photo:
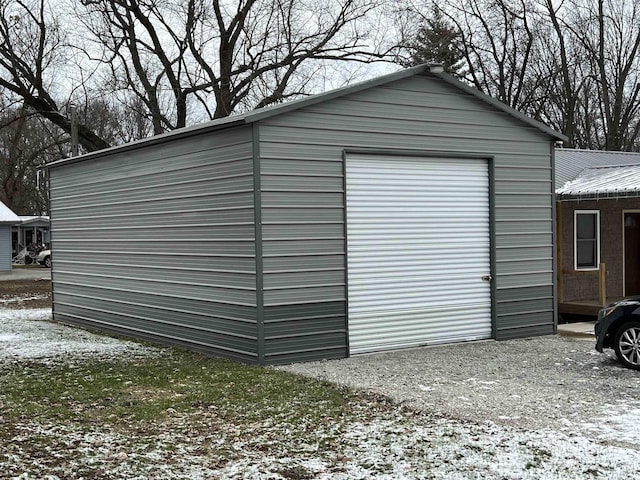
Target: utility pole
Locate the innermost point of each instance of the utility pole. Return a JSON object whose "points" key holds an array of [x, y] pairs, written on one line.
{"points": [[74, 130]]}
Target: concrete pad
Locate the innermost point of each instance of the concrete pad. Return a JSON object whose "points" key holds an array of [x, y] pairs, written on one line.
{"points": [[578, 329]]}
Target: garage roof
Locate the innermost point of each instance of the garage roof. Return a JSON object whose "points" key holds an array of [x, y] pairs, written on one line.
{"points": [[570, 162], [434, 71], [612, 181]]}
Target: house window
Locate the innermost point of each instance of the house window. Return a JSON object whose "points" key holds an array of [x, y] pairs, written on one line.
{"points": [[587, 239]]}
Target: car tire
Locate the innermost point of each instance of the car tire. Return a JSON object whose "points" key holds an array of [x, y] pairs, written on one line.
{"points": [[47, 262], [626, 344]]}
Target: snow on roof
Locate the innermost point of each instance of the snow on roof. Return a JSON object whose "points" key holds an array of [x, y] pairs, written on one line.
{"points": [[571, 162], [612, 181], [7, 216]]}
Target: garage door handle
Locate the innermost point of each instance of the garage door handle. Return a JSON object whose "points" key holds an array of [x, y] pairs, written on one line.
{"points": [[486, 278]]}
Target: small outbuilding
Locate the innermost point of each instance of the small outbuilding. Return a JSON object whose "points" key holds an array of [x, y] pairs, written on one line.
{"points": [[32, 230], [7, 219], [404, 211], [598, 213]]}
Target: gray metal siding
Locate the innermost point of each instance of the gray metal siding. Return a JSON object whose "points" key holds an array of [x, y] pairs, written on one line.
{"points": [[160, 243], [303, 254], [5, 248], [303, 198]]}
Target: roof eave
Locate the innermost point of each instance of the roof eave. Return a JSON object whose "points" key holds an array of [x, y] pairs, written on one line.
{"points": [[246, 118], [607, 195], [228, 122]]}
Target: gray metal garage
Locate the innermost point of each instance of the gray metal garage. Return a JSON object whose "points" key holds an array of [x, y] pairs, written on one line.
{"points": [[408, 210]]}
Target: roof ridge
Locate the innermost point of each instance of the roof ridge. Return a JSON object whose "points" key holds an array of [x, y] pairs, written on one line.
{"points": [[257, 115], [617, 165], [607, 152]]}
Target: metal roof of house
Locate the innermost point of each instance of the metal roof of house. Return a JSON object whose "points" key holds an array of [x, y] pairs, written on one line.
{"points": [[612, 181], [7, 216], [571, 162], [35, 220], [430, 70]]}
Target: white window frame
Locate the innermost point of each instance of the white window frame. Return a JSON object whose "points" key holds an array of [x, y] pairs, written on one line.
{"points": [[575, 239]]}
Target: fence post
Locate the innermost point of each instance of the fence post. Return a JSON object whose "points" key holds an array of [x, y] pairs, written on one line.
{"points": [[602, 284]]}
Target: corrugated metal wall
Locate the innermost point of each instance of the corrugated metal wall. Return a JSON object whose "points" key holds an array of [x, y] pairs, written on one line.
{"points": [[303, 252], [303, 201], [159, 243], [5, 248]]}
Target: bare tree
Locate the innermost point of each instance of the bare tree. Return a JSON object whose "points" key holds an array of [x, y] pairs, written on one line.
{"points": [[499, 44], [220, 57], [608, 31], [592, 61], [176, 61], [573, 64], [25, 145], [32, 47], [560, 66]]}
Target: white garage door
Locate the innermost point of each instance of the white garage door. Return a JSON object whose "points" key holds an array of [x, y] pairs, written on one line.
{"points": [[418, 248]]}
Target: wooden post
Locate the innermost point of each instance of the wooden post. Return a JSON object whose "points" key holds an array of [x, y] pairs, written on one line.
{"points": [[602, 284], [559, 252]]}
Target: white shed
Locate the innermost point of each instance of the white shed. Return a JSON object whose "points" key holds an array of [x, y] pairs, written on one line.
{"points": [[7, 219]]}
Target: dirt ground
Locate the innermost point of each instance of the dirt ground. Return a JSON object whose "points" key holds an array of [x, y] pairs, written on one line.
{"points": [[25, 294]]}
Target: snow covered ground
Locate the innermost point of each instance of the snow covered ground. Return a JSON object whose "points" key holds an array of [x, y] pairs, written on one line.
{"points": [[403, 443], [29, 334]]}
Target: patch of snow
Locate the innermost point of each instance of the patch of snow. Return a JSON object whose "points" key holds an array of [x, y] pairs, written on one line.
{"points": [[620, 425], [30, 334], [407, 448], [392, 445], [10, 300]]}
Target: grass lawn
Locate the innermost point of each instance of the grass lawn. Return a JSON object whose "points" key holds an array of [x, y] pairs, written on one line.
{"points": [[118, 418], [151, 412], [74, 405]]}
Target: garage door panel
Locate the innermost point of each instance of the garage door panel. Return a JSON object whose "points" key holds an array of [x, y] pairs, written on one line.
{"points": [[418, 247], [445, 326], [416, 250], [415, 299], [405, 271], [405, 261], [416, 282], [377, 306], [385, 235]]}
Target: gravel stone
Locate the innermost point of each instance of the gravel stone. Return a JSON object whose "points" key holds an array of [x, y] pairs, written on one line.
{"points": [[543, 382]]}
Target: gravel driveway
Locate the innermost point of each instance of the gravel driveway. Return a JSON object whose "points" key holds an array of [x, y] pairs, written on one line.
{"points": [[545, 382]]}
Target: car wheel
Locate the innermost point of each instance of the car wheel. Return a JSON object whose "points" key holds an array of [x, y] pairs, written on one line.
{"points": [[47, 262], [626, 343]]}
